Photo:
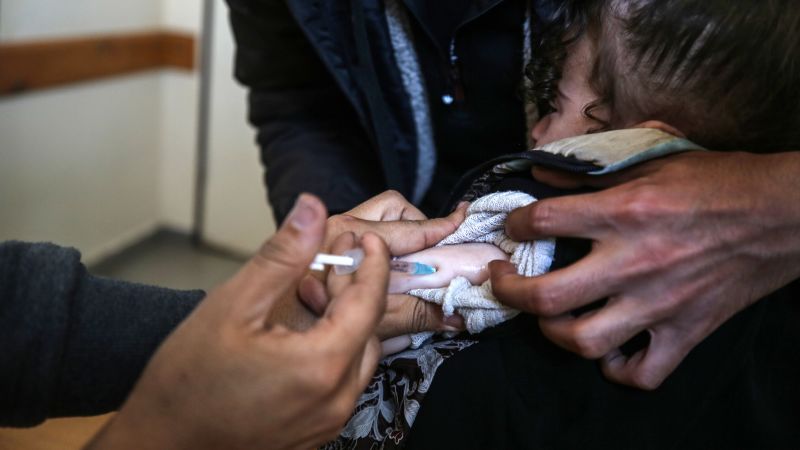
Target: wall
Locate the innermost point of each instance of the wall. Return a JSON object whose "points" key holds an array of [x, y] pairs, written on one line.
{"points": [[77, 168], [31, 19], [237, 215], [79, 165], [178, 131], [100, 165]]}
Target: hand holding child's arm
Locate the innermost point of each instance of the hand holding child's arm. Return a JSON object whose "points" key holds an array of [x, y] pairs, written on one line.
{"points": [[227, 379], [681, 244], [405, 230]]}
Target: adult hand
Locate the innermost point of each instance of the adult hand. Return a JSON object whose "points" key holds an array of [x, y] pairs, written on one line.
{"points": [[681, 244], [405, 230], [403, 227], [225, 379]]}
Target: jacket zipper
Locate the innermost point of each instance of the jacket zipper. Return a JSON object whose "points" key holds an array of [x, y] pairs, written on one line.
{"points": [[456, 93]]}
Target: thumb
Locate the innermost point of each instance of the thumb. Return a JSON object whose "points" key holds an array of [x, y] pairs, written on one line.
{"points": [[283, 260]]}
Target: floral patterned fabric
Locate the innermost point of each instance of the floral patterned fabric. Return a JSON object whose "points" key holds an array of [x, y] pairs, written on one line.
{"points": [[385, 412]]}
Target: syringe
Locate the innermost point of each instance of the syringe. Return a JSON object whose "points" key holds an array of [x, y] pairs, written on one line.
{"points": [[349, 262]]}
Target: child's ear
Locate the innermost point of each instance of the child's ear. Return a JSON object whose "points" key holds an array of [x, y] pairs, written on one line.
{"points": [[659, 125]]}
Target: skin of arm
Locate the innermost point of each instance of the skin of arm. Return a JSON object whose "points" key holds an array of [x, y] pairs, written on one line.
{"points": [[681, 244], [470, 261], [227, 379], [405, 230], [411, 237]]}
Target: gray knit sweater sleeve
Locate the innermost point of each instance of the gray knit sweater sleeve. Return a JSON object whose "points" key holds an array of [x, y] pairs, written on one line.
{"points": [[72, 343]]}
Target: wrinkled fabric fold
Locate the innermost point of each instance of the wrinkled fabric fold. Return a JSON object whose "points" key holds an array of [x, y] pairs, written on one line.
{"points": [[485, 223]]}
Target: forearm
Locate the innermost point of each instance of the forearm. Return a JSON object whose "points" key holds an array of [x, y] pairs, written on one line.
{"points": [[125, 431], [115, 328], [775, 220], [74, 344]]}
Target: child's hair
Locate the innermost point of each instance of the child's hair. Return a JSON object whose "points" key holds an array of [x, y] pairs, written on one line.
{"points": [[726, 73]]}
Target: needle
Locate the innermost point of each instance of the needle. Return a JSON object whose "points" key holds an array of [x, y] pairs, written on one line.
{"points": [[349, 262]]}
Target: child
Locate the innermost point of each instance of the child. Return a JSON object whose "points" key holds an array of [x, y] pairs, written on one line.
{"points": [[725, 75]]}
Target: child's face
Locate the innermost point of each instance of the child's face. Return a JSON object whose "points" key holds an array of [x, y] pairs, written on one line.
{"points": [[574, 93]]}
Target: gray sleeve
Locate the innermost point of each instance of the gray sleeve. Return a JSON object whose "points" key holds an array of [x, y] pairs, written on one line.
{"points": [[72, 343]]}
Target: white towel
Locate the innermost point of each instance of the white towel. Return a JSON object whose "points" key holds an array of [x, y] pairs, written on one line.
{"points": [[485, 222]]}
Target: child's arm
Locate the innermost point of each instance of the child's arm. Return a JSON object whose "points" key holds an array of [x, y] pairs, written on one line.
{"points": [[467, 260]]}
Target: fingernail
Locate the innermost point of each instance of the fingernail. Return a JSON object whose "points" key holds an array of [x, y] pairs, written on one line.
{"points": [[462, 205], [454, 323], [303, 214], [501, 267]]}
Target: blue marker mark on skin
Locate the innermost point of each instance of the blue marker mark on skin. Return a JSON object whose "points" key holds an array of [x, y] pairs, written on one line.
{"points": [[423, 269]]}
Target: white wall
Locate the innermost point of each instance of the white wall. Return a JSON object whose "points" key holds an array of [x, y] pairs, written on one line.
{"points": [[237, 215], [79, 165], [178, 131], [100, 165], [78, 168], [177, 148], [33, 19], [183, 15]]}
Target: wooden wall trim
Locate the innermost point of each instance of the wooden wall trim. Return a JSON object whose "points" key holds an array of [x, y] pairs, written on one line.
{"points": [[28, 66]]}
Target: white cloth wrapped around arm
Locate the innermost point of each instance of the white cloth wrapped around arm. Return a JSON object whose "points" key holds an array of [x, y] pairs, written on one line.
{"points": [[485, 222]]}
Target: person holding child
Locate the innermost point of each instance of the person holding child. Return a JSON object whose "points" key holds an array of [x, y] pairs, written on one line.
{"points": [[374, 90], [682, 247], [679, 243]]}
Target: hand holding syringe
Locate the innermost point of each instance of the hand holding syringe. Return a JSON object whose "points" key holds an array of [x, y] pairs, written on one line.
{"points": [[440, 265], [351, 260]]}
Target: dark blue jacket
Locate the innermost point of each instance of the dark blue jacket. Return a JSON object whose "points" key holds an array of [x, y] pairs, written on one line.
{"points": [[327, 97]]}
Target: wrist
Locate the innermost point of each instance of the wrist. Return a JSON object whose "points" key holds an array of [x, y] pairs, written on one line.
{"points": [[780, 200], [777, 208], [147, 420], [124, 432]]}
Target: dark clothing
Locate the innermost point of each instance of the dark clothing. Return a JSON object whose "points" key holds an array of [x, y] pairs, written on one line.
{"points": [[516, 389], [74, 344], [328, 100], [510, 387], [486, 117]]}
